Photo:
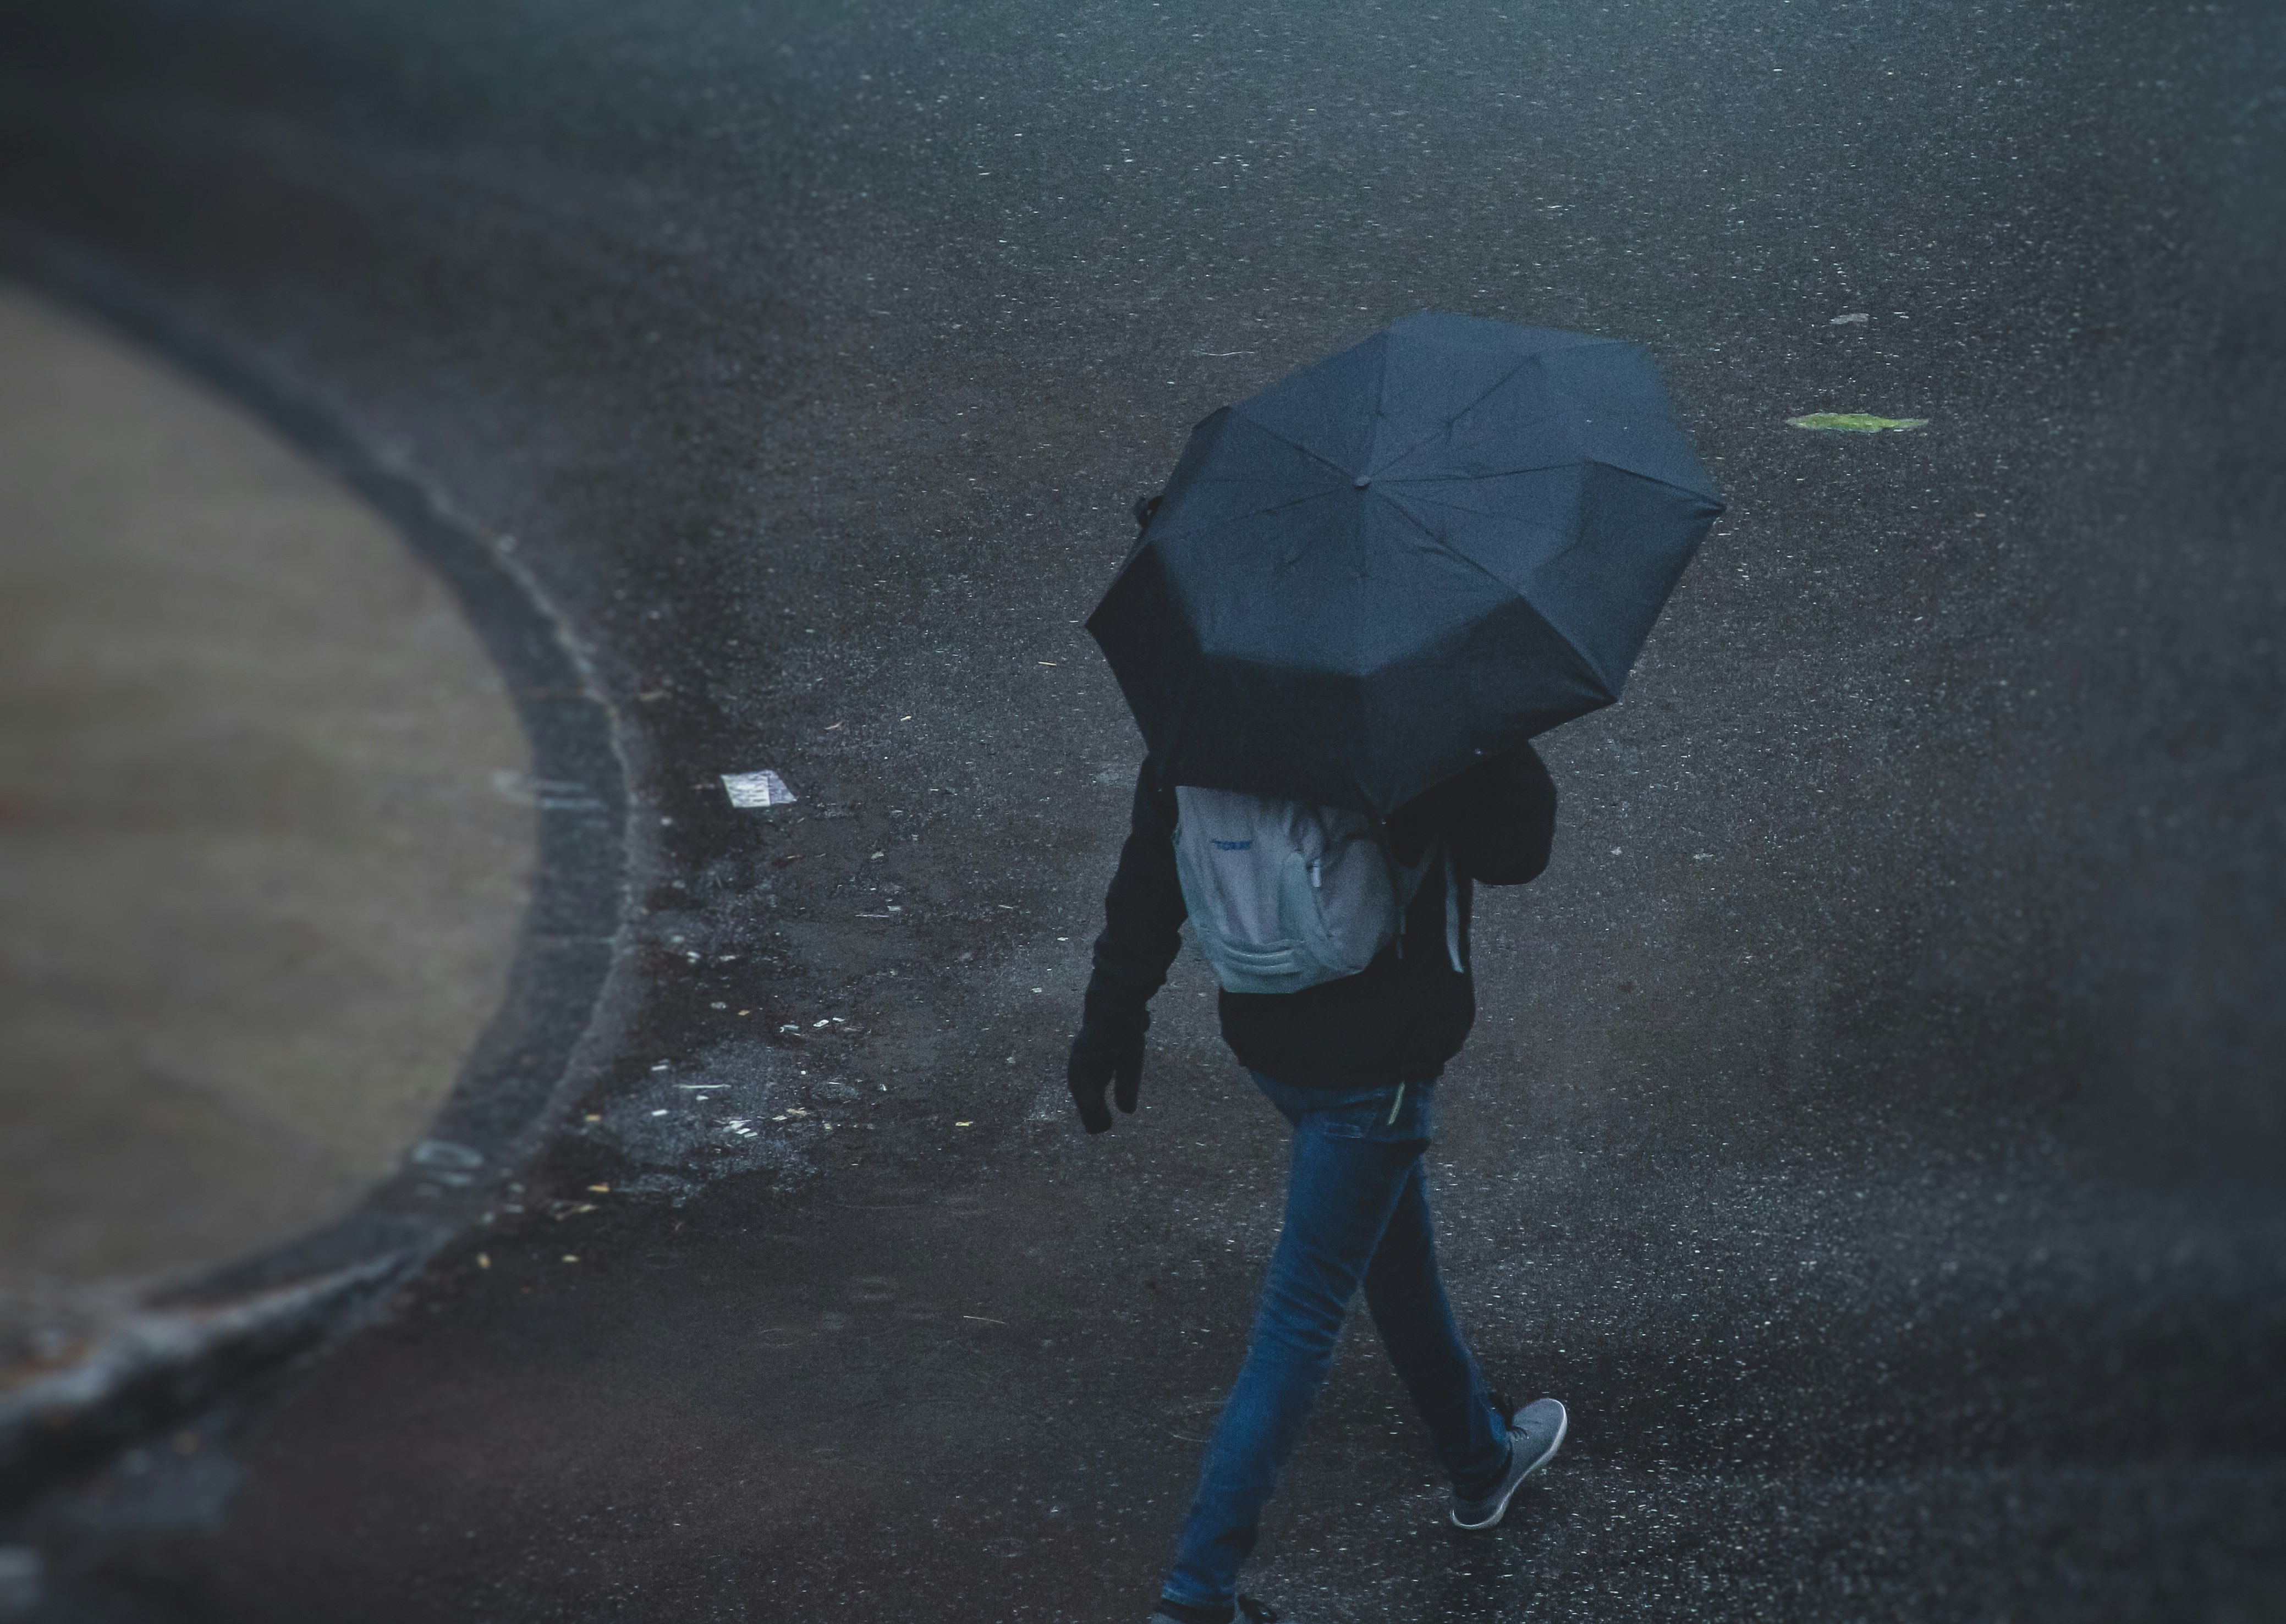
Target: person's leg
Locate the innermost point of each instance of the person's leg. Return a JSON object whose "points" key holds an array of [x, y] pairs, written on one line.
{"points": [[1344, 1177], [1406, 1298]]}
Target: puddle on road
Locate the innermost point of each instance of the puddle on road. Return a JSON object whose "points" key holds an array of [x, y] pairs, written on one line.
{"points": [[738, 1108]]}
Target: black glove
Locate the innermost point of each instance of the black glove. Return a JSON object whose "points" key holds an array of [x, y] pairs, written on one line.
{"points": [[1105, 1050]]}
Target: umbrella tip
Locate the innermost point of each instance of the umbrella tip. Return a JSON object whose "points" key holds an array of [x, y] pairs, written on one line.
{"points": [[1364, 480]]}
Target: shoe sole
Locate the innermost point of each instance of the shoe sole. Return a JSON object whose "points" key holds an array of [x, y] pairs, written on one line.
{"points": [[1563, 1426]]}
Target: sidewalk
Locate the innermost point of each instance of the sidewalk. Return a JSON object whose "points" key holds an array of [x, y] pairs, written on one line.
{"points": [[263, 863]]}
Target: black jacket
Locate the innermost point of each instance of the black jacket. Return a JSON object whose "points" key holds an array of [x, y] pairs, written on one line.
{"points": [[1400, 1017]]}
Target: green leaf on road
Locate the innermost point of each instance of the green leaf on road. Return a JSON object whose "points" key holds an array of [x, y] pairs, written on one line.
{"points": [[1856, 422]]}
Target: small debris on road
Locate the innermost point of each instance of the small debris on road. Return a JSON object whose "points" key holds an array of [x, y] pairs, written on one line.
{"points": [[757, 789], [1843, 321], [444, 1162]]}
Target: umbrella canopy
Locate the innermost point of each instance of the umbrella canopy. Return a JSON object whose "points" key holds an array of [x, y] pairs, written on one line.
{"points": [[1419, 551]]}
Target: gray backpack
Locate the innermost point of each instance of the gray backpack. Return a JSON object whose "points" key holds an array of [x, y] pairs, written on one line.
{"points": [[1284, 895]]}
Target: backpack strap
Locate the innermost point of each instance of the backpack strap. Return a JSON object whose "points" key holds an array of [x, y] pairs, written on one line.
{"points": [[1404, 902], [1452, 911], [1452, 915]]}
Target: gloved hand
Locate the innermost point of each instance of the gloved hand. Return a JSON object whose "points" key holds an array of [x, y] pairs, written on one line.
{"points": [[1105, 1050]]}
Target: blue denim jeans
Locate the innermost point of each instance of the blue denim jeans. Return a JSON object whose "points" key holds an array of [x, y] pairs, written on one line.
{"points": [[1357, 1211]]}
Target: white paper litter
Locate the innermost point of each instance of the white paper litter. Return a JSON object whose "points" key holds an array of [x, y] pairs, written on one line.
{"points": [[761, 789]]}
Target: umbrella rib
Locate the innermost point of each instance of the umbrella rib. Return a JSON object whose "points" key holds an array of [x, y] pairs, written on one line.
{"points": [[1456, 507], [1411, 482], [1470, 477], [1451, 551], [1380, 409], [1221, 520], [1664, 484], [1181, 712], [1484, 396], [1411, 489], [1616, 468], [1294, 443]]}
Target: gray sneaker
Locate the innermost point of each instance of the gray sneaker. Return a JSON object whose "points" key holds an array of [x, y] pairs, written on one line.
{"points": [[1534, 1434]]}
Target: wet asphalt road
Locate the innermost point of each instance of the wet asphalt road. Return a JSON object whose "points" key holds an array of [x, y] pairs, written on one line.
{"points": [[1872, 1127]]}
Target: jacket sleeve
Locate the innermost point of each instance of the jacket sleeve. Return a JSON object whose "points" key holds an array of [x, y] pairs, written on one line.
{"points": [[1143, 915], [1504, 826]]}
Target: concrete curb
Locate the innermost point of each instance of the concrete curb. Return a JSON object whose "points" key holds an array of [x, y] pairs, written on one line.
{"points": [[164, 1364], [192, 1343]]}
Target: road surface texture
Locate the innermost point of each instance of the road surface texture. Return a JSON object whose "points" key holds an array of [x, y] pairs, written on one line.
{"points": [[260, 846], [1872, 1128]]}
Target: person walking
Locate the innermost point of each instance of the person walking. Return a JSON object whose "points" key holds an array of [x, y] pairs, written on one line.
{"points": [[1352, 1063], [1363, 585]]}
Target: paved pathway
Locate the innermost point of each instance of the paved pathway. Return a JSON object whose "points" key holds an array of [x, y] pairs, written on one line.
{"points": [[1870, 1126]]}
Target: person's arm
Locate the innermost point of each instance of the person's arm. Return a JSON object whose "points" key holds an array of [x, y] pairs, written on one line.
{"points": [[1143, 919], [1503, 827]]}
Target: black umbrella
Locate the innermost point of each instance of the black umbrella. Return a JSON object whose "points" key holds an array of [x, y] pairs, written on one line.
{"points": [[1422, 550]]}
